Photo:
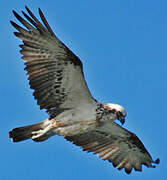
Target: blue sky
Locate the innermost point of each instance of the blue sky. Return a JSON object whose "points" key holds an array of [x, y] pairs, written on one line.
{"points": [[123, 46]]}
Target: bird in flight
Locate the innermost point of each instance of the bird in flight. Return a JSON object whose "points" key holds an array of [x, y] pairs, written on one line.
{"points": [[56, 75]]}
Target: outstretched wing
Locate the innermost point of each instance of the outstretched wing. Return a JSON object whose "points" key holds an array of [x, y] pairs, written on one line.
{"points": [[117, 145], [55, 73]]}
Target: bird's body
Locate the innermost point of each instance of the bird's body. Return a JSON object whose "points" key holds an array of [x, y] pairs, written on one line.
{"points": [[73, 121], [56, 75]]}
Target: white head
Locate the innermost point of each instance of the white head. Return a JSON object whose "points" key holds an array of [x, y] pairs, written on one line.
{"points": [[118, 110]]}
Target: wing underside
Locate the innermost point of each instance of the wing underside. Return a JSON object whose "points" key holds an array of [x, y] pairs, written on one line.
{"points": [[55, 73], [121, 147]]}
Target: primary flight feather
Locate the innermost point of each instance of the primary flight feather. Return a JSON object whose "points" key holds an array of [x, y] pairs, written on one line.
{"points": [[55, 74]]}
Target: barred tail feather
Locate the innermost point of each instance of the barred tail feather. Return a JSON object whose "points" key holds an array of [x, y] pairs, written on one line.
{"points": [[26, 132]]}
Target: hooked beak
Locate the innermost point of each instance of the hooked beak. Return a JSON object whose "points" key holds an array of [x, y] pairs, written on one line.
{"points": [[120, 117], [122, 120]]}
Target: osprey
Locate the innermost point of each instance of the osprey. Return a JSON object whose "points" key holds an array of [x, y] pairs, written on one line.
{"points": [[56, 75]]}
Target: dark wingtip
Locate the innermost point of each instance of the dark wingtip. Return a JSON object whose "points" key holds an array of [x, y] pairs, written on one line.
{"points": [[128, 171], [28, 10], [14, 12], [157, 161], [26, 6], [23, 12], [17, 34], [12, 23], [39, 9], [15, 25]]}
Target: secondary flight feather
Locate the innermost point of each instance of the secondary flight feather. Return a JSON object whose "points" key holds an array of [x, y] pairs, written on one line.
{"points": [[55, 74]]}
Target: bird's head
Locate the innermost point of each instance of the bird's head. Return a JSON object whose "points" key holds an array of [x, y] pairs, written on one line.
{"points": [[118, 112]]}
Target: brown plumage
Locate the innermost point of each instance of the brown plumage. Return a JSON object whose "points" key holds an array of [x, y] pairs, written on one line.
{"points": [[56, 76], [124, 150]]}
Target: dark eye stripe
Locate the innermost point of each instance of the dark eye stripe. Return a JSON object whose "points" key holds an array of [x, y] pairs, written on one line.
{"points": [[112, 111], [119, 114]]}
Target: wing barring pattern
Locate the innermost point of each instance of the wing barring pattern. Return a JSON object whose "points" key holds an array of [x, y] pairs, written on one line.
{"points": [[55, 73]]}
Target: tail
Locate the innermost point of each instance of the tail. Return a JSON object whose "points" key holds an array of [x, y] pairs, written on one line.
{"points": [[38, 132]]}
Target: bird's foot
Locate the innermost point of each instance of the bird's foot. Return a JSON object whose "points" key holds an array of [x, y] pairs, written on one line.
{"points": [[37, 134], [41, 132]]}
